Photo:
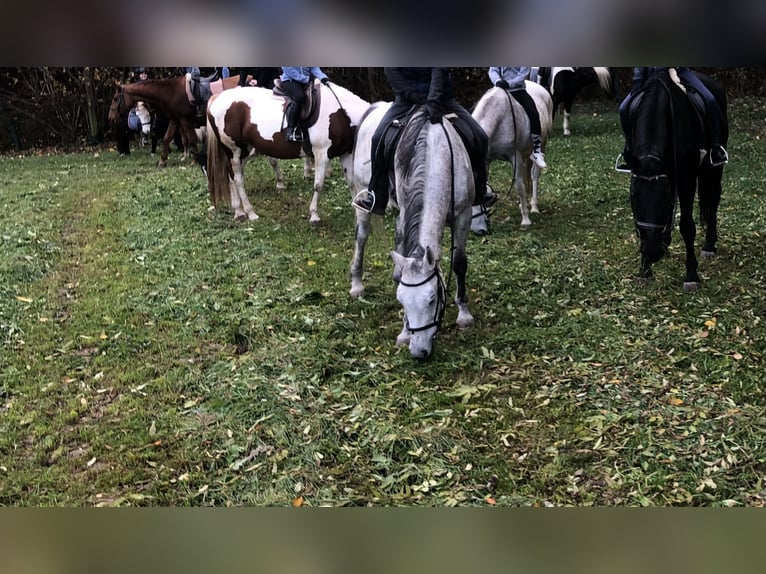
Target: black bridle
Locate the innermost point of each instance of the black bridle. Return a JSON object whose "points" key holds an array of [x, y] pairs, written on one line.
{"points": [[441, 301], [663, 177], [441, 287]]}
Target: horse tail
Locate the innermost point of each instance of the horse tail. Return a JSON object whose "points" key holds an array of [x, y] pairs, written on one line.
{"points": [[605, 80], [217, 163]]}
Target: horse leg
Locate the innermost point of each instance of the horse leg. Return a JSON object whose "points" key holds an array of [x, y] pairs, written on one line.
{"points": [[568, 101], [520, 180], [307, 165], [710, 197], [320, 171], [167, 138], [535, 183], [239, 200], [189, 139], [688, 232], [277, 173], [403, 338], [460, 268], [362, 233]]}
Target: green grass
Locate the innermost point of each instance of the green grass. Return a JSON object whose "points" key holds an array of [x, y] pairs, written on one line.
{"points": [[155, 352]]}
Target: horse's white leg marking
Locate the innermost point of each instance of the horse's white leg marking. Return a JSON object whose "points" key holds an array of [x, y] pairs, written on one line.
{"points": [[239, 201], [566, 124], [520, 185], [320, 171]]}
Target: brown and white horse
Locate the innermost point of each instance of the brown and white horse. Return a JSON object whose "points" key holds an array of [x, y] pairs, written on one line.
{"points": [[168, 95], [246, 122]]}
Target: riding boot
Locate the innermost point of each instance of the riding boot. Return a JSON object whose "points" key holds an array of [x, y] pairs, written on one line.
{"points": [[537, 152], [294, 133]]}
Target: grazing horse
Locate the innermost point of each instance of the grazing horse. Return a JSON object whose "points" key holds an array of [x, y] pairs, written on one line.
{"points": [[507, 127], [167, 95], [663, 150], [248, 121], [565, 83], [434, 185]]}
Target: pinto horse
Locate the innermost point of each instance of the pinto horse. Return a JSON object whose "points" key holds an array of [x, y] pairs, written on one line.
{"points": [[169, 96], [507, 127], [434, 184], [665, 138], [248, 121], [565, 83]]}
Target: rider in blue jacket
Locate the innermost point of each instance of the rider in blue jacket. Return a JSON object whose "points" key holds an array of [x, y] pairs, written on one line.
{"points": [[512, 79], [434, 88], [294, 81]]}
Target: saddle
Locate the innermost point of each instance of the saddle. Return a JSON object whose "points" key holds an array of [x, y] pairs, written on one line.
{"points": [[310, 110], [199, 89], [384, 154]]}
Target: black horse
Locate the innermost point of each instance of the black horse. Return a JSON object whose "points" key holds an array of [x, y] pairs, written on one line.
{"points": [[565, 83], [665, 153]]}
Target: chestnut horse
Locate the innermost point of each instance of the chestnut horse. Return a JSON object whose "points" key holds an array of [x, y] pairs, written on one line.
{"points": [[170, 96]]}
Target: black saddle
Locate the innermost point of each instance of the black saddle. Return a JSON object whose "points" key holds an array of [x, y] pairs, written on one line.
{"points": [[384, 154]]}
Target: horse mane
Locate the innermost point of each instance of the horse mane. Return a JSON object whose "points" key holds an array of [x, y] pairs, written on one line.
{"points": [[650, 131], [411, 149]]}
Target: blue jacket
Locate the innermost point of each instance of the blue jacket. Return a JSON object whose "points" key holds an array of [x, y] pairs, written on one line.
{"points": [[514, 76], [301, 75]]}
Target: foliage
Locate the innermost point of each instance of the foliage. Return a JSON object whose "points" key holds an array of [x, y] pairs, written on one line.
{"points": [[155, 352]]}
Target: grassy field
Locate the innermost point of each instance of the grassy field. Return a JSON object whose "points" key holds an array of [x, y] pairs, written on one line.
{"points": [[155, 352]]}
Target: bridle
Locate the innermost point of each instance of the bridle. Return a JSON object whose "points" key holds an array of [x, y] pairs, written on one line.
{"points": [[441, 301], [441, 287], [664, 228]]}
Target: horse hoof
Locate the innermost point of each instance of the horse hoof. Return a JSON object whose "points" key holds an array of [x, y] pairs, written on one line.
{"points": [[707, 254], [691, 286], [281, 186], [314, 219], [567, 133], [357, 291], [465, 323], [240, 217], [525, 226], [252, 216], [643, 281]]}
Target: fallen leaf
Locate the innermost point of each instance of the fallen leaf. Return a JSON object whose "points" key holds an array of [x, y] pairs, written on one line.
{"points": [[23, 299], [298, 502], [737, 356], [675, 401], [490, 500]]}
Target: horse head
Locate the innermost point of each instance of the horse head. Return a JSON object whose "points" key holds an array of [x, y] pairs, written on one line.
{"points": [[651, 157], [422, 294]]}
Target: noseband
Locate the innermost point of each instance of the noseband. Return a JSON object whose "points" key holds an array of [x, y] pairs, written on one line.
{"points": [[441, 300], [645, 224]]}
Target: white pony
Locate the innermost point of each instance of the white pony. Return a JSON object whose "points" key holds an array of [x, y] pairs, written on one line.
{"points": [[247, 121], [434, 186], [507, 127]]}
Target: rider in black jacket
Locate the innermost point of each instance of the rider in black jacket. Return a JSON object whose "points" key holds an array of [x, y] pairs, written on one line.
{"points": [[434, 88]]}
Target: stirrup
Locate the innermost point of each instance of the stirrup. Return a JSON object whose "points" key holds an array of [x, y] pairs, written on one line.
{"points": [[621, 167], [725, 157], [359, 200], [294, 135]]}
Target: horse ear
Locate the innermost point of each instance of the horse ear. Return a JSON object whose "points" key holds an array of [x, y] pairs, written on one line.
{"points": [[398, 265]]}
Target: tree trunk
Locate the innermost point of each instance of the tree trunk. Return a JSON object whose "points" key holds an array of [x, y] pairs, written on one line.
{"points": [[95, 133]]}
